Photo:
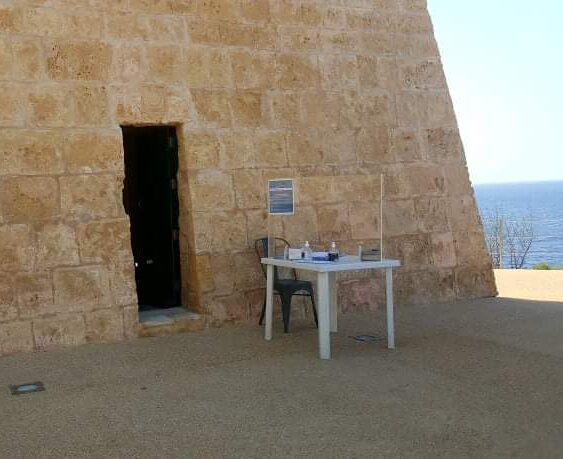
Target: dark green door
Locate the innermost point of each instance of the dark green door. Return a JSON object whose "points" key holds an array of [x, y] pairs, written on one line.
{"points": [[150, 197]]}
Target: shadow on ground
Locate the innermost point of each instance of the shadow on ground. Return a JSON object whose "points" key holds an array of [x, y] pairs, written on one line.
{"points": [[480, 378]]}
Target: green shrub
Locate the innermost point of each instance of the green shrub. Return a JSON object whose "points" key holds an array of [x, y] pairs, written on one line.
{"points": [[542, 266]]}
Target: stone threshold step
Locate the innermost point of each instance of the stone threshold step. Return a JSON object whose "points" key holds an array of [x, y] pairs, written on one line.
{"points": [[164, 322]]}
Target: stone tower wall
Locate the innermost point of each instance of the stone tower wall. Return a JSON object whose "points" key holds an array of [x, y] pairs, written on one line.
{"points": [[330, 92]]}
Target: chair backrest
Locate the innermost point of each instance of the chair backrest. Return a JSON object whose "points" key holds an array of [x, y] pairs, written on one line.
{"points": [[261, 247]]}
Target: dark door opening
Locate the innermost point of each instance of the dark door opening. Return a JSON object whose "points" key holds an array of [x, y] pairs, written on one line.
{"points": [[150, 198]]}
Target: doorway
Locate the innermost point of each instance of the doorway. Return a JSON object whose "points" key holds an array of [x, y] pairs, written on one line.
{"points": [[150, 198]]}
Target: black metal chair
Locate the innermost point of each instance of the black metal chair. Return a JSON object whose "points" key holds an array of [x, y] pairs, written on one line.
{"points": [[284, 288]]}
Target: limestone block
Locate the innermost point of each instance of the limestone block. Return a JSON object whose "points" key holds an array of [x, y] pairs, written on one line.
{"points": [[399, 217], [374, 146], [213, 107], [424, 287], [361, 188], [364, 221], [406, 145], [30, 152], [304, 148], [214, 274], [419, 46], [211, 190], [424, 180], [443, 145], [86, 197], [443, 250], [285, 109], [247, 271], [414, 5], [152, 104], [257, 225], [371, 18], [12, 101], [165, 64], [250, 190], [269, 150], [91, 106], [300, 227], [62, 330], [378, 72], [238, 150], [462, 213], [34, 294], [10, 19], [197, 67], [316, 190], [339, 72], [297, 71], [131, 321], [457, 180], [202, 273], [432, 214], [79, 61], [361, 295], [122, 283], [368, 110], [201, 150], [205, 33], [16, 248], [470, 247], [300, 38], [428, 110], [51, 106], [128, 64], [253, 70], [93, 151], [128, 26], [50, 22], [56, 246], [105, 241], [414, 251], [412, 23], [334, 17], [84, 288], [254, 299], [228, 308], [471, 282], [247, 109], [254, 10], [6, 59], [167, 29], [216, 9], [29, 198], [334, 222], [15, 336], [8, 308], [340, 146], [340, 41], [104, 326], [28, 59], [219, 232], [422, 75], [219, 69]]}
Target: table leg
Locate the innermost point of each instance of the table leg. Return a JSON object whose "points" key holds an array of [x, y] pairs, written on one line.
{"points": [[390, 319], [269, 301], [333, 302], [324, 316]]}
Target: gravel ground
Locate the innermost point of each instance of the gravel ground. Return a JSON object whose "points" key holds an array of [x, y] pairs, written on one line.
{"points": [[472, 379]]}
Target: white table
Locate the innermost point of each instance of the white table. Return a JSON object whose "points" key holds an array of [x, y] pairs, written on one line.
{"points": [[327, 295]]}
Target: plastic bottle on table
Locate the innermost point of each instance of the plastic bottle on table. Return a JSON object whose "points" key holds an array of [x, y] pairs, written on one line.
{"points": [[306, 252]]}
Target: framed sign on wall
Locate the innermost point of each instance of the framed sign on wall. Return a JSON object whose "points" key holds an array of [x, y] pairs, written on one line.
{"points": [[281, 197]]}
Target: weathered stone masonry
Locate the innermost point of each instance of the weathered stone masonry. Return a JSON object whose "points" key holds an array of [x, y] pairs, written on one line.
{"points": [[330, 92]]}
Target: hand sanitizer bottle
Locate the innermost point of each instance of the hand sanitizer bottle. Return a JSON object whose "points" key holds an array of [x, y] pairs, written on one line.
{"points": [[333, 252], [306, 252]]}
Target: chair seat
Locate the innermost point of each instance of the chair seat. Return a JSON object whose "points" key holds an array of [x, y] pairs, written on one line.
{"points": [[293, 285]]}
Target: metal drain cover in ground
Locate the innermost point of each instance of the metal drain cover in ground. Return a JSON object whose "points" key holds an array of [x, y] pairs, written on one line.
{"points": [[29, 388], [367, 338]]}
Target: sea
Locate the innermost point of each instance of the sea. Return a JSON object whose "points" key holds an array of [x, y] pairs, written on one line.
{"points": [[538, 205]]}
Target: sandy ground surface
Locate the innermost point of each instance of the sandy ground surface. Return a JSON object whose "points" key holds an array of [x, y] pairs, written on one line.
{"points": [[530, 284], [473, 379]]}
